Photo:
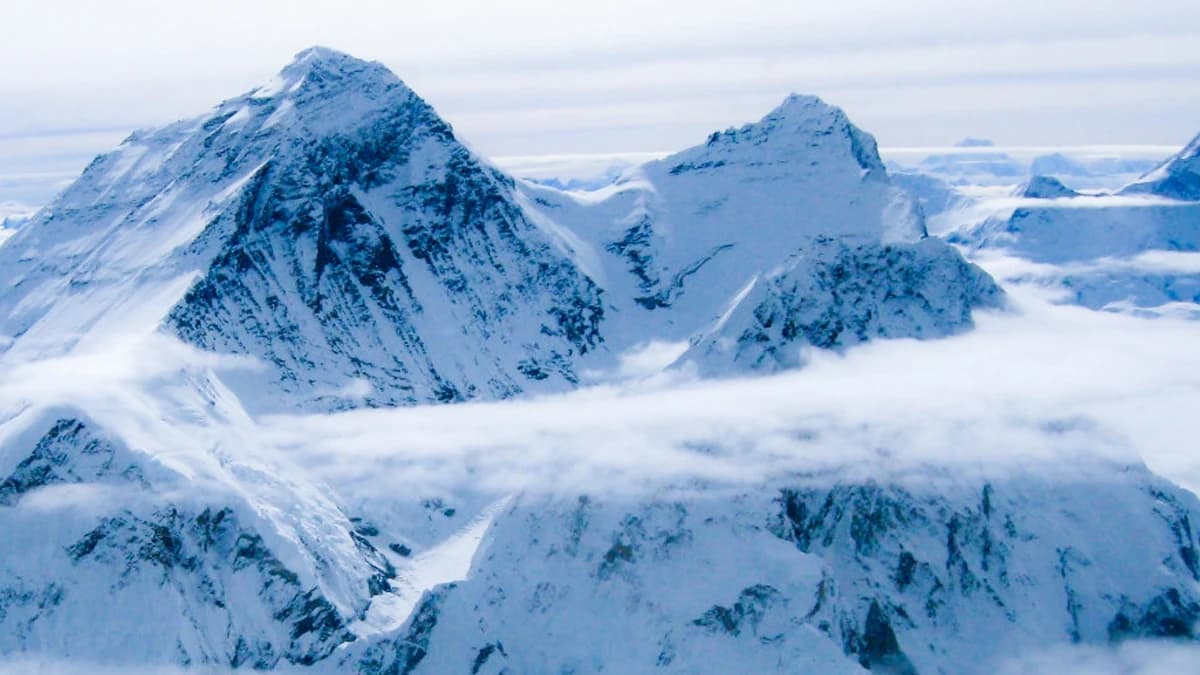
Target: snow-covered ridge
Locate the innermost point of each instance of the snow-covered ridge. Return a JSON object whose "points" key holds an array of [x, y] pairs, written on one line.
{"points": [[1176, 178], [325, 242], [331, 225]]}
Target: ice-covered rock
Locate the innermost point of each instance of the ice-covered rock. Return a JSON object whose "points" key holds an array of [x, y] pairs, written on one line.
{"points": [[832, 295], [328, 224], [945, 577], [1176, 178], [681, 236], [122, 555]]}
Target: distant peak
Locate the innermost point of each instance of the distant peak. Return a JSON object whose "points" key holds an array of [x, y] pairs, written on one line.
{"points": [[1176, 178], [326, 60], [1045, 187], [802, 106], [975, 143], [321, 52], [323, 67]]}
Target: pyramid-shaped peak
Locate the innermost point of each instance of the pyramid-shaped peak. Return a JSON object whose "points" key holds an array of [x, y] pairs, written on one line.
{"points": [[801, 117], [324, 58], [1176, 178], [322, 68], [803, 128], [801, 107]]}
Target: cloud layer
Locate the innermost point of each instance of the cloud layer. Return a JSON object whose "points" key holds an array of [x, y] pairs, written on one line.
{"points": [[1045, 388]]}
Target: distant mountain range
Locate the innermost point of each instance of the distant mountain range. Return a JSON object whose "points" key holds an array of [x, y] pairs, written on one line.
{"points": [[1137, 248]]}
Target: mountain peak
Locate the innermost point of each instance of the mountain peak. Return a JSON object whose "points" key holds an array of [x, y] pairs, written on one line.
{"points": [[796, 127], [802, 118], [805, 110], [1176, 178], [1045, 187], [320, 68], [800, 104], [325, 59]]}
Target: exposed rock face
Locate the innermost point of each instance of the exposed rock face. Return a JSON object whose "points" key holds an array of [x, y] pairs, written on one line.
{"points": [[831, 295], [328, 224], [113, 558], [678, 238], [946, 578]]}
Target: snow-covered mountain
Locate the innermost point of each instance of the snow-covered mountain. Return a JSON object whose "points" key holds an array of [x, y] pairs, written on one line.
{"points": [[1137, 249], [326, 242], [1044, 187], [679, 238], [331, 226], [1176, 178], [130, 542], [328, 224], [830, 578], [833, 294]]}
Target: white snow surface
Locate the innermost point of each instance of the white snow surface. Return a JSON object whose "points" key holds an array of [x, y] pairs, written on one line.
{"points": [[681, 235], [178, 325]]}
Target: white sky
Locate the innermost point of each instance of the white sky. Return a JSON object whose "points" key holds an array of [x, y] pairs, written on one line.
{"points": [[531, 77]]}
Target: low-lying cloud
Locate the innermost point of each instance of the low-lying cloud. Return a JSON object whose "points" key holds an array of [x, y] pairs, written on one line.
{"points": [[1038, 388], [1046, 386]]}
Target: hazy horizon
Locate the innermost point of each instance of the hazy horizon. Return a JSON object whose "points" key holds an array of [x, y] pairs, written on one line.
{"points": [[538, 80], [536, 77]]}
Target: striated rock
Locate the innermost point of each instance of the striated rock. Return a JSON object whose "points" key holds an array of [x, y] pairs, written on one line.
{"points": [[831, 295]]}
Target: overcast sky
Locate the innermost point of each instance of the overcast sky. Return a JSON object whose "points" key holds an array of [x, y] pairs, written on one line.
{"points": [[529, 77]]}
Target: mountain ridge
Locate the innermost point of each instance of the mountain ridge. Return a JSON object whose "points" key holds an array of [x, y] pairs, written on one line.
{"points": [[331, 225]]}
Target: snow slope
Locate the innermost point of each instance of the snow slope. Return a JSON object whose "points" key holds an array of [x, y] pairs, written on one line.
{"points": [[1176, 178], [679, 237], [815, 577]]}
